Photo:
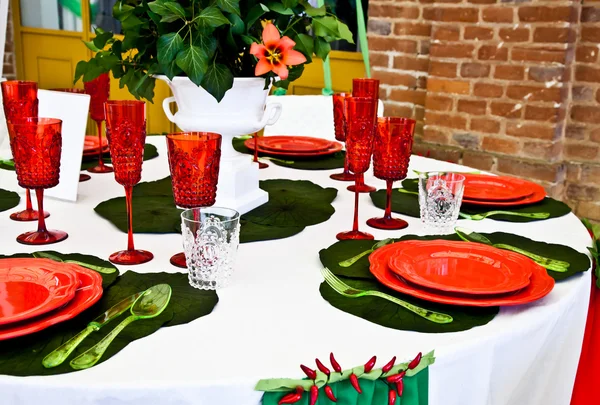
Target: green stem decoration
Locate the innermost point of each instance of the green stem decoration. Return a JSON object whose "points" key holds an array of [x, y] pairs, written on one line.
{"points": [[362, 37], [328, 89]]}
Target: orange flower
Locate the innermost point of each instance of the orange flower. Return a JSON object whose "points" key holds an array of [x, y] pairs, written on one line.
{"points": [[276, 54]]}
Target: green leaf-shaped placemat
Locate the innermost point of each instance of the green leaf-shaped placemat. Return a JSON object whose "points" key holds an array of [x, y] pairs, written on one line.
{"points": [[408, 204], [23, 356], [8, 199], [293, 205], [328, 162]]}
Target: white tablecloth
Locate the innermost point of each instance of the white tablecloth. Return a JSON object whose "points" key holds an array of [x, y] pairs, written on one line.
{"points": [[272, 318]]}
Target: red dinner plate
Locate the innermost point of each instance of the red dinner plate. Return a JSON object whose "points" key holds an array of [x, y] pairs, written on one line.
{"points": [[538, 194], [86, 295], [301, 144], [32, 287], [91, 144], [460, 267], [335, 147], [495, 188], [540, 284]]}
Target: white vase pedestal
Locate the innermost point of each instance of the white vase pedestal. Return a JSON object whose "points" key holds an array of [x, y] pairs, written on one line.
{"points": [[242, 111]]}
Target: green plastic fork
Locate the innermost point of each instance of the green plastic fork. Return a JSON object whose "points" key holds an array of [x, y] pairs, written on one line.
{"points": [[344, 289], [479, 217]]}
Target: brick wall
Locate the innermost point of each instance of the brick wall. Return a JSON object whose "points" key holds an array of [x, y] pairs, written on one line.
{"points": [[9, 71], [510, 86]]}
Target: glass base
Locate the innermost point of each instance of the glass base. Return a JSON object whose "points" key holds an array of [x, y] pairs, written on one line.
{"points": [[42, 238], [354, 235], [361, 188], [101, 169], [343, 176], [27, 215], [131, 257], [387, 223], [178, 260], [84, 177]]}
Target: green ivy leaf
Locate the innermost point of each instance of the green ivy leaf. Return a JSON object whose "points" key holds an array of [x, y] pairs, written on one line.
{"points": [[218, 80], [90, 45], [254, 14], [93, 70], [193, 61], [315, 12], [305, 44], [122, 11], [230, 6], [237, 24], [326, 27], [108, 61], [101, 38], [208, 44], [279, 8], [80, 70], [170, 69], [322, 48], [212, 17], [176, 9], [168, 46]]}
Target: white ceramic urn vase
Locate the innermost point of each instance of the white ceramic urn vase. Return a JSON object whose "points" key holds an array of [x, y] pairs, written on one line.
{"points": [[242, 111]]}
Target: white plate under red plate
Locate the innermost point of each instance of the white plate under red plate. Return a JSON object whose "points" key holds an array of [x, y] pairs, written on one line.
{"points": [[460, 267], [495, 188], [300, 144], [540, 285], [87, 294], [33, 287]]}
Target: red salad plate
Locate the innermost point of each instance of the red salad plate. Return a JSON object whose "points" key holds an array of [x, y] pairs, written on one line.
{"points": [[300, 144], [540, 284], [86, 295], [91, 144], [538, 193], [495, 188], [460, 267], [32, 287], [335, 147]]}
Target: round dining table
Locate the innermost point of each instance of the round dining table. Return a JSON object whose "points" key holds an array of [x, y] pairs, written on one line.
{"points": [[272, 318]]}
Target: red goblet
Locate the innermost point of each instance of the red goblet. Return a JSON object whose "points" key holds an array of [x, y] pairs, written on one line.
{"points": [[360, 116], [20, 100], [339, 125], [365, 88], [261, 165], [36, 144], [391, 155], [126, 132], [99, 91], [194, 163]]}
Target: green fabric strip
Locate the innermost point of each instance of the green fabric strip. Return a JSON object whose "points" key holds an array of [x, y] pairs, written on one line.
{"points": [[328, 89], [362, 36]]}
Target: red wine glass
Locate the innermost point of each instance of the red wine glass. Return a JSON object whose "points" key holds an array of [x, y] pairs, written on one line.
{"points": [[391, 155], [126, 133], [36, 144], [194, 163], [339, 125], [20, 100], [99, 91], [365, 88], [261, 165], [359, 147]]}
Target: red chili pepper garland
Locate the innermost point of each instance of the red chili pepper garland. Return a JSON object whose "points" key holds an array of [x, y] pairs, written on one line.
{"points": [[292, 397], [322, 367], [314, 394], [400, 387], [396, 377], [370, 364], [354, 382], [329, 393], [391, 397], [389, 366], [413, 364], [309, 372], [334, 363]]}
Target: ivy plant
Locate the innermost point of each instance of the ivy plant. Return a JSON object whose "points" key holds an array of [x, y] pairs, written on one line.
{"points": [[206, 40]]}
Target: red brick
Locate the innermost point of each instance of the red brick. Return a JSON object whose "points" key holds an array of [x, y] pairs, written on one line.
{"points": [[393, 10], [530, 93], [422, 82], [534, 131], [521, 168], [451, 50], [547, 114], [443, 69], [598, 96], [488, 90], [509, 72], [590, 174], [454, 14], [538, 55], [477, 160], [580, 151], [498, 14], [395, 110], [546, 14], [379, 59], [483, 1], [587, 74], [493, 52], [479, 33], [590, 114], [417, 30], [395, 78], [379, 27], [553, 34], [406, 62], [514, 34], [435, 136], [466, 140], [595, 135], [590, 34], [485, 125], [447, 86], [588, 54], [582, 93], [500, 145], [408, 96], [438, 103], [546, 74], [575, 132], [392, 44], [445, 120], [473, 107], [474, 70], [590, 210], [506, 110], [590, 14], [446, 33], [549, 151]]}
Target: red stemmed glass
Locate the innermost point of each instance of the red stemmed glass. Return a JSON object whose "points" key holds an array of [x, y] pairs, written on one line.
{"points": [[261, 165], [20, 100], [360, 123], [126, 133], [194, 163], [339, 125], [391, 155], [365, 88], [99, 91], [36, 144]]}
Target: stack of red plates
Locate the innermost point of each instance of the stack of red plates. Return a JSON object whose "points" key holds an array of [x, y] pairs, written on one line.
{"points": [[38, 293], [293, 146], [500, 191], [460, 273], [91, 145]]}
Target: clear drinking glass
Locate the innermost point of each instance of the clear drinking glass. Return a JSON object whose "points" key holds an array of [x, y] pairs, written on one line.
{"points": [[440, 196], [211, 236]]}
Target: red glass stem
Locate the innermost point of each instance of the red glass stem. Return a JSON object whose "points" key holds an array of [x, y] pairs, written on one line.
{"points": [[346, 170], [360, 180], [39, 193], [101, 150], [128, 196], [28, 198], [355, 225], [256, 147], [388, 203]]}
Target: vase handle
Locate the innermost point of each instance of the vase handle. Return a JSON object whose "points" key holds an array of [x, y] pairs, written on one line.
{"points": [[166, 102], [272, 114]]}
